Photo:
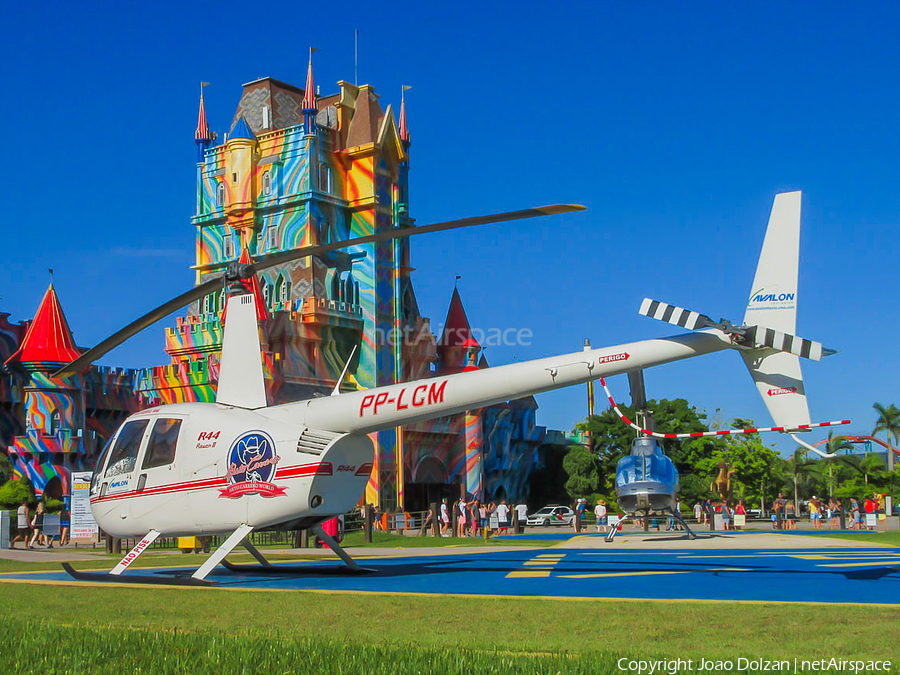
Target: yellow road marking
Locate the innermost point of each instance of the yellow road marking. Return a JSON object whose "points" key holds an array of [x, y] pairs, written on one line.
{"points": [[882, 563], [542, 563], [528, 573], [620, 574]]}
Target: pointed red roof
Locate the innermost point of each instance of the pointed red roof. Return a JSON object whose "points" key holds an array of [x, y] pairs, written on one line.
{"points": [[252, 285], [202, 132], [457, 332], [404, 131], [48, 339], [309, 96]]}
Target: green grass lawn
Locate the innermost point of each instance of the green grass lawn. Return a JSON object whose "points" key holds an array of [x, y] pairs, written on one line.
{"points": [[199, 630], [582, 629], [892, 537]]}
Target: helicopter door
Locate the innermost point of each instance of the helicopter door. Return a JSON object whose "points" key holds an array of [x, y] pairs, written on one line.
{"points": [[157, 465]]}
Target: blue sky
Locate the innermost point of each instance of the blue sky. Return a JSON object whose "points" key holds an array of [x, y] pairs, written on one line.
{"points": [[675, 124]]}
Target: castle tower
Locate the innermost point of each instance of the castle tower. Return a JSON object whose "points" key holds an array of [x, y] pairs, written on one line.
{"points": [[54, 410], [299, 169]]}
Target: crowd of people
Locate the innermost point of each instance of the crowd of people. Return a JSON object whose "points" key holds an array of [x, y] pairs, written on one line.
{"points": [[30, 526], [474, 517]]}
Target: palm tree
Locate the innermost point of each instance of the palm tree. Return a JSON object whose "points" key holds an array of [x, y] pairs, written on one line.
{"points": [[795, 468], [889, 422], [833, 447]]}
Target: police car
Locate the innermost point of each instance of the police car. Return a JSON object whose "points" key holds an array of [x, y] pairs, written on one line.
{"points": [[552, 515]]}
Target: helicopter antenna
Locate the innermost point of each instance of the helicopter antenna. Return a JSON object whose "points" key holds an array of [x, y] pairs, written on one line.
{"points": [[337, 386]]}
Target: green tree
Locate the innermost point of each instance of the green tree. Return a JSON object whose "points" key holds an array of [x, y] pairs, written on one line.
{"points": [[829, 469], [869, 468], [889, 422], [612, 437], [795, 470], [14, 492], [581, 468]]}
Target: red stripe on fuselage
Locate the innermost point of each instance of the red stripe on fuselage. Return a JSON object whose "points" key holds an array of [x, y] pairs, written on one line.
{"points": [[318, 469]]}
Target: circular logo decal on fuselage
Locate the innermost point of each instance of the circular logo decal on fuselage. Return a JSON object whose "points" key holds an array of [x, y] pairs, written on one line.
{"points": [[251, 466]]}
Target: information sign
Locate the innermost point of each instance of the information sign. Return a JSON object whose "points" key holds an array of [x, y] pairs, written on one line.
{"points": [[83, 525]]}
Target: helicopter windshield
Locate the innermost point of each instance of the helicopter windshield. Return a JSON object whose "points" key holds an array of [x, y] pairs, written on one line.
{"points": [[124, 453]]}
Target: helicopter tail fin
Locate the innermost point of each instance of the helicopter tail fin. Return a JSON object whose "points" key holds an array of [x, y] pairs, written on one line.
{"points": [[773, 305], [241, 382]]}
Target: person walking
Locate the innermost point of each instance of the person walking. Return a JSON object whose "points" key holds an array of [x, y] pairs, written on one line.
{"points": [[38, 524], [698, 513], [23, 525], [483, 517]]}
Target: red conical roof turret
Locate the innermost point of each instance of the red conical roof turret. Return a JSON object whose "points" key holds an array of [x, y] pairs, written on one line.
{"points": [[457, 332], [48, 339]]}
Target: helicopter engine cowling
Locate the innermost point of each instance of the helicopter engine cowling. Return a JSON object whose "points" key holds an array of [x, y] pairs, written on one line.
{"points": [[646, 480]]}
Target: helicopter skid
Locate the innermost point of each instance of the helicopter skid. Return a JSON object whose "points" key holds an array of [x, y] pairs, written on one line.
{"points": [[164, 580]]}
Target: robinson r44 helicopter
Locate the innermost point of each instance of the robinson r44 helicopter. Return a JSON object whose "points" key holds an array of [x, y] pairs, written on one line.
{"points": [[239, 464]]}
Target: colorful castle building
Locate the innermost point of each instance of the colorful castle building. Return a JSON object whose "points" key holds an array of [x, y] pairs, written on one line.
{"points": [[297, 169], [53, 426]]}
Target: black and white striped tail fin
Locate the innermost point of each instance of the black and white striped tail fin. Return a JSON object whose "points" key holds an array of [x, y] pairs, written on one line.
{"points": [[760, 336], [677, 316]]}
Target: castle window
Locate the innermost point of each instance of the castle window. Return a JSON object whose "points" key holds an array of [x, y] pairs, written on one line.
{"points": [[266, 117], [324, 178], [54, 422], [267, 183], [228, 247], [273, 237], [234, 178], [222, 298], [220, 194], [281, 292], [208, 303]]}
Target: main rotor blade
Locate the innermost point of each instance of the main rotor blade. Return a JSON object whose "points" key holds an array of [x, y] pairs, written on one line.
{"points": [[198, 292], [296, 254]]}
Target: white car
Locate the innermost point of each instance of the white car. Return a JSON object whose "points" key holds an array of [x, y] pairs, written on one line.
{"points": [[552, 515]]}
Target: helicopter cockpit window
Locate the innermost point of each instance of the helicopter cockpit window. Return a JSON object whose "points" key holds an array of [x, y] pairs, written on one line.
{"points": [[98, 467], [124, 453], [163, 439]]}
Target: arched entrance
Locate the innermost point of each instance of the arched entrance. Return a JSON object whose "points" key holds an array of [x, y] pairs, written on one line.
{"points": [[429, 486], [53, 489]]}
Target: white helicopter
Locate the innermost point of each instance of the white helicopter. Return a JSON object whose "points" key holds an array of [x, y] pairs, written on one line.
{"points": [[239, 464]]}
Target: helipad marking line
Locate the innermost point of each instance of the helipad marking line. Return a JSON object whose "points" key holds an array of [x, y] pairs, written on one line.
{"points": [[620, 574], [895, 563], [649, 572], [528, 573]]}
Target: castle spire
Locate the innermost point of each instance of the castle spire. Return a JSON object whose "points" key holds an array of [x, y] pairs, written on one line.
{"points": [[404, 130], [202, 136], [48, 339], [309, 97]]}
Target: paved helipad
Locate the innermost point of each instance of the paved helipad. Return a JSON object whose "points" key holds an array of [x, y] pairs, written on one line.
{"points": [[792, 569]]}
